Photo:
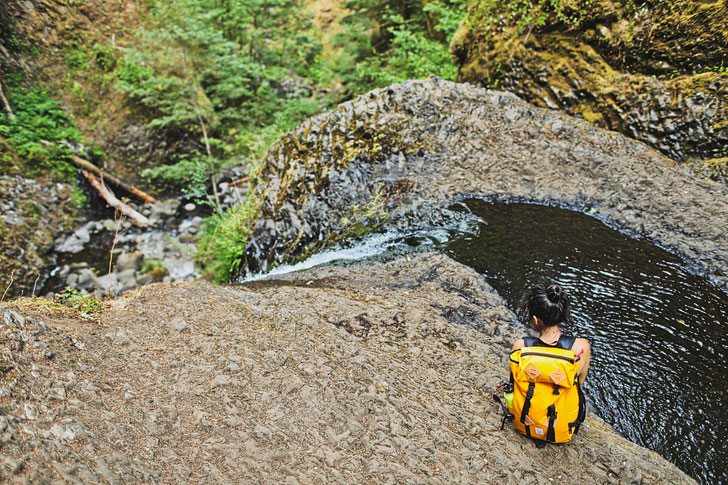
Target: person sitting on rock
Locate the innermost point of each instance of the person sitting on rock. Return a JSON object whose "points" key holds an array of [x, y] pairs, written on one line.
{"points": [[544, 396], [548, 309]]}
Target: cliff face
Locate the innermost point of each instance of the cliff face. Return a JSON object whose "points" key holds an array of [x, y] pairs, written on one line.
{"points": [[654, 71]]}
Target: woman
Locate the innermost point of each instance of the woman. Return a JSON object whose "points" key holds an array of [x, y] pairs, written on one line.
{"points": [[547, 310]]}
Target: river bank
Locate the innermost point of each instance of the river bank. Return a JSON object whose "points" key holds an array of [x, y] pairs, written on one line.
{"points": [[338, 374]]}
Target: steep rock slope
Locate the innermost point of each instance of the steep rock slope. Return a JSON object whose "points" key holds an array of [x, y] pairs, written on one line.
{"points": [[335, 375], [654, 71]]}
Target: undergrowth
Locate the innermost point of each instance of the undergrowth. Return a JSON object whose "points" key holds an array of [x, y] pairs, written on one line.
{"points": [[82, 303], [39, 134], [221, 246]]}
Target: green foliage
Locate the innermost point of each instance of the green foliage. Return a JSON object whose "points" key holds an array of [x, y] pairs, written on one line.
{"points": [[105, 56], [188, 174], [213, 69], [77, 59], [222, 241], [403, 47], [79, 197], [39, 133], [84, 304], [411, 56], [217, 62], [527, 15]]}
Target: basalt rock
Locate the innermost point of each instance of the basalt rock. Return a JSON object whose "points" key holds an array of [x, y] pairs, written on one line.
{"points": [[655, 73], [394, 155], [334, 375], [33, 215]]}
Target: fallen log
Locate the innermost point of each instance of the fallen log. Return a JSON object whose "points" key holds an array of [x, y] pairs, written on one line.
{"points": [[86, 165], [110, 198], [8, 109]]}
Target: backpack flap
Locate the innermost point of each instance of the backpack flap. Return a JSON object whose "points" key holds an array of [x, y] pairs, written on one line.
{"points": [[547, 365]]}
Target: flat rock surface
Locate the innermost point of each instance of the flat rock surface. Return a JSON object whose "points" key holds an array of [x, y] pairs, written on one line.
{"points": [[358, 374]]}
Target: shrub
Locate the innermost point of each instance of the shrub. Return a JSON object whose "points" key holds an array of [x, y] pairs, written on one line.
{"points": [[84, 304]]}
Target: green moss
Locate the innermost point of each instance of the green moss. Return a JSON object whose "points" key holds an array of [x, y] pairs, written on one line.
{"points": [[31, 211], [154, 268], [158, 273], [716, 168], [591, 116]]}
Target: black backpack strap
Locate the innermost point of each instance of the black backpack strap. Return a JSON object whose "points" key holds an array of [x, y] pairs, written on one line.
{"points": [[527, 403], [550, 434], [566, 342], [506, 413], [529, 341]]}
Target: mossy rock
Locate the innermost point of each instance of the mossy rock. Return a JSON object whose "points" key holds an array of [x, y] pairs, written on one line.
{"points": [[656, 74]]}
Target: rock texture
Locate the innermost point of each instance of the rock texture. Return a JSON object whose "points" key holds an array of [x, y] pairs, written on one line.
{"points": [[33, 215], [336, 375], [652, 70], [394, 155]]}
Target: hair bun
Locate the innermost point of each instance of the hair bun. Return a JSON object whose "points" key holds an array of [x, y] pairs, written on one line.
{"points": [[553, 292]]}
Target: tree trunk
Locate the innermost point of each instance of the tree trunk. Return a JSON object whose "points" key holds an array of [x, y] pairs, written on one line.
{"points": [[86, 165], [11, 115], [110, 198]]}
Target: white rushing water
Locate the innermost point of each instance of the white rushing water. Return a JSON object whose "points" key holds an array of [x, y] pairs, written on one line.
{"points": [[373, 245]]}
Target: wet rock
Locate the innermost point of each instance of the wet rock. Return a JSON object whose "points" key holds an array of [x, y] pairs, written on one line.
{"points": [[84, 280], [75, 242], [460, 139], [127, 280], [127, 261], [167, 208], [107, 284]]}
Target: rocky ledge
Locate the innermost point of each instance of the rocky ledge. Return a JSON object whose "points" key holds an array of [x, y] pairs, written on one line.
{"points": [[34, 213], [359, 374], [394, 154]]}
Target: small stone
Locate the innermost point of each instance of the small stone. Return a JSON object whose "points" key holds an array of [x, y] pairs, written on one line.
{"points": [[178, 324], [31, 411], [189, 207], [127, 261], [14, 465]]}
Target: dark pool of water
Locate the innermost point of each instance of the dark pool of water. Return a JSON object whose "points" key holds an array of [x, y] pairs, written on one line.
{"points": [[659, 371]]}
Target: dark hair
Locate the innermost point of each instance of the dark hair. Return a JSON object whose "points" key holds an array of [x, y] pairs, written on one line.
{"points": [[549, 303]]}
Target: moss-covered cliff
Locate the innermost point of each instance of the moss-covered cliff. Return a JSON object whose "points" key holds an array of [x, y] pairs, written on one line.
{"points": [[656, 71]]}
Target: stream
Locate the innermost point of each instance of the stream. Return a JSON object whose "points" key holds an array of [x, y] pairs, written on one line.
{"points": [[660, 350]]}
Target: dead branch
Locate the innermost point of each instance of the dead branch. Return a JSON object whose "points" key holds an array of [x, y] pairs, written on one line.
{"points": [[238, 181], [110, 198], [86, 165], [11, 115]]}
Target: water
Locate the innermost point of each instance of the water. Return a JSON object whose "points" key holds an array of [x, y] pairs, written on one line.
{"points": [[660, 345]]}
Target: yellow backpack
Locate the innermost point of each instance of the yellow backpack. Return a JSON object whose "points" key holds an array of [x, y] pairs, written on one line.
{"points": [[546, 401]]}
